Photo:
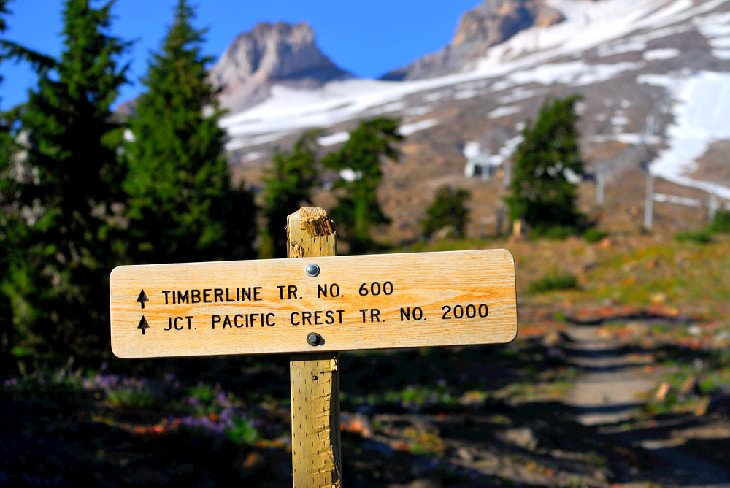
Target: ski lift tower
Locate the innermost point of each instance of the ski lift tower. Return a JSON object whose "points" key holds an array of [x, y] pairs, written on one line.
{"points": [[652, 122]]}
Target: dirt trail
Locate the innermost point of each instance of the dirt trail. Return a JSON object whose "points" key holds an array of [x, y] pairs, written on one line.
{"points": [[612, 384], [611, 388]]}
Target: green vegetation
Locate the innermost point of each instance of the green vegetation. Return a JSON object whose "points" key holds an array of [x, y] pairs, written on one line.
{"points": [[554, 281], [202, 393], [82, 190], [242, 431], [448, 210], [63, 248], [182, 206], [7, 148], [542, 193], [358, 209], [424, 440], [288, 186], [698, 237], [721, 223], [555, 232], [133, 395], [593, 235]]}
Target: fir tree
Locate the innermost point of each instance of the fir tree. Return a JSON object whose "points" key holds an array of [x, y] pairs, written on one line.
{"points": [[6, 215], [358, 208], [543, 191], [67, 189], [181, 204], [288, 186], [447, 210]]}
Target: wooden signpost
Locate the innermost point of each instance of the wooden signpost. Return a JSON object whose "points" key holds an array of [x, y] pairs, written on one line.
{"points": [[312, 308]]}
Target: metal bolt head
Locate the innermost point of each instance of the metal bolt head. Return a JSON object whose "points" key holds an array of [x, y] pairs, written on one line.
{"points": [[314, 339], [312, 270]]}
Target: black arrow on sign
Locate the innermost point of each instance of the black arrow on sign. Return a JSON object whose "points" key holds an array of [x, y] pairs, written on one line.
{"points": [[143, 325], [142, 298]]}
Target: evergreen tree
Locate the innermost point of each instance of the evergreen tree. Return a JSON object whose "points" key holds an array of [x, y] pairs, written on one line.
{"points": [[543, 191], [6, 214], [66, 191], [288, 186], [447, 210], [181, 204], [357, 205]]}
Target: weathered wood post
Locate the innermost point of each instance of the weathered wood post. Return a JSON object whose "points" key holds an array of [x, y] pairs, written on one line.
{"points": [[315, 407]]}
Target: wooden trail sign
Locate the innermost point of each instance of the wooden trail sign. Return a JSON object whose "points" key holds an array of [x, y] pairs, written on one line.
{"points": [[318, 305], [334, 303]]}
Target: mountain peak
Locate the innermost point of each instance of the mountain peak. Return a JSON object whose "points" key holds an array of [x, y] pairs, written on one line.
{"points": [[495, 21], [490, 23], [271, 53]]}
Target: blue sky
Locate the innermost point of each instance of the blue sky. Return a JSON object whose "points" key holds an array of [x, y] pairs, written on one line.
{"points": [[368, 38]]}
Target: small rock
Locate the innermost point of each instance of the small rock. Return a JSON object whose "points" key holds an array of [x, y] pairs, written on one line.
{"points": [[698, 364], [465, 454], [423, 483], [522, 437]]}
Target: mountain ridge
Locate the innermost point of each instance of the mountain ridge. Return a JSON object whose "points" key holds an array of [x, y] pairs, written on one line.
{"points": [[490, 23]]}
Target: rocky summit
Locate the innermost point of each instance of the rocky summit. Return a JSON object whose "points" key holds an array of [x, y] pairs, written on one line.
{"points": [[271, 53], [489, 24]]}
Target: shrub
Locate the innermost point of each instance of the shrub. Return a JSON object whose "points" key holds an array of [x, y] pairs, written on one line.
{"points": [[554, 281], [698, 237], [447, 210], [593, 235], [721, 222], [133, 395], [543, 190]]}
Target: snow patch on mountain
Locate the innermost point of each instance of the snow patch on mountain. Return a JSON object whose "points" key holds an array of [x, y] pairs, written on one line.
{"points": [[701, 108], [504, 111], [659, 54], [627, 138], [332, 139], [408, 129], [575, 73]]}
